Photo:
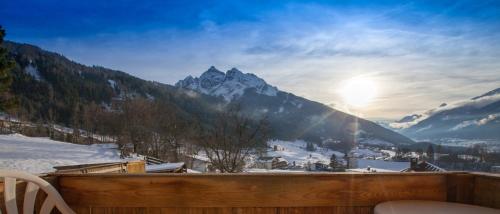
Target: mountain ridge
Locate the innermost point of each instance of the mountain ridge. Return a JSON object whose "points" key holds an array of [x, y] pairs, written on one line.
{"points": [[45, 80], [229, 85], [476, 118]]}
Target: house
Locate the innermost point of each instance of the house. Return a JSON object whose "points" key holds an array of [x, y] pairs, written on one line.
{"points": [[469, 158], [316, 166], [265, 162], [198, 163], [268, 162], [438, 156], [422, 166], [320, 166], [279, 163]]}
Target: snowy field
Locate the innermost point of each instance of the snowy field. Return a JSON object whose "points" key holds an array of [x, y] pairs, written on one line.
{"points": [[39, 155], [296, 151], [380, 164], [375, 142]]}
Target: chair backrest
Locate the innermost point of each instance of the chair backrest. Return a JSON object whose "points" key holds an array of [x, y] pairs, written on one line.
{"points": [[34, 183]]}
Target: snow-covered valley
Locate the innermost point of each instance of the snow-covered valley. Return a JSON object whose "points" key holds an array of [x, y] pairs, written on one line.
{"points": [[38, 155]]}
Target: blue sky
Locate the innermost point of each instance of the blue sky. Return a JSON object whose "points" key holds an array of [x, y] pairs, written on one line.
{"points": [[420, 53]]}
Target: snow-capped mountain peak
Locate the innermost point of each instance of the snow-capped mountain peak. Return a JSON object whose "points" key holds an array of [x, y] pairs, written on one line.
{"points": [[229, 85]]}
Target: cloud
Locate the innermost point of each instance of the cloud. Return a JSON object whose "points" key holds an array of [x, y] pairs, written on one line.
{"points": [[480, 122], [470, 103], [418, 59]]}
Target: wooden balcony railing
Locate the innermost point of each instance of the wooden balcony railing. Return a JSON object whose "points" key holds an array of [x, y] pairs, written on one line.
{"points": [[268, 193]]}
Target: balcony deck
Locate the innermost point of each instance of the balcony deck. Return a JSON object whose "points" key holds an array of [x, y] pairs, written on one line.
{"points": [[268, 193]]}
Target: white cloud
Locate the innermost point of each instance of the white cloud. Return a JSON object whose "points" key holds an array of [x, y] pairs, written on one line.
{"points": [[307, 49], [480, 122]]}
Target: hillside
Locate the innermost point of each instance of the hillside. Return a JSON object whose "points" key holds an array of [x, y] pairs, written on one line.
{"points": [[52, 88], [477, 118]]}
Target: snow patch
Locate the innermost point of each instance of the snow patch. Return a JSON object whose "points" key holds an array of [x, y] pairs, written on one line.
{"points": [[281, 109], [380, 164], [296, 151], [164, 166], [375, 142], [33, 71], [112, 83]]}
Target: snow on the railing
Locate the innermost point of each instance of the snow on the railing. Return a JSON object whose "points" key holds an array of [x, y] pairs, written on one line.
{"points": [[164, 166]]}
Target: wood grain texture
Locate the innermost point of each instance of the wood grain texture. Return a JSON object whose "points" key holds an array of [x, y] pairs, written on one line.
{"points": [[226, 210], [460, 188], [326, 210], [487, 191], [192, 191], [263, 193], [136, 167]]}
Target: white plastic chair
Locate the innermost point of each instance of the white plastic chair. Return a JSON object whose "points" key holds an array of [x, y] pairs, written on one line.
{"points": [[34, 183]]}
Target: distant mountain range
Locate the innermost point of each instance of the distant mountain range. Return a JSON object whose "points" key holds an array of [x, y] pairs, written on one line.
{"points": [[44, 80], [476, 118]]}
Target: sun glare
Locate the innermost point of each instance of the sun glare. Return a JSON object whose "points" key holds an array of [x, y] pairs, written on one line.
{"points": [[359, 91]]}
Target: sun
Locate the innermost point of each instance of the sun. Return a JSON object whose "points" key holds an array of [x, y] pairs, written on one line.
{"points": [[358, 91]]}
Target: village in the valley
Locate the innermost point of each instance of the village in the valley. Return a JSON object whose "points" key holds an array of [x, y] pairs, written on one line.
{"points": [[40, 154]]}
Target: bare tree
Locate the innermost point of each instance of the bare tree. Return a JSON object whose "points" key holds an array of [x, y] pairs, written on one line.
{"points": [[231, 138], [171, 132], [137, 119]]}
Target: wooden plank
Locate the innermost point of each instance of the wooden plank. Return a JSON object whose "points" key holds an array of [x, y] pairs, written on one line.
{"points": [[169, 210], [325, 210], [226, 210], [81, 210], [487, 191], [245, 190], [136, 167], [121, 210], [460, 188], [254, 210]]}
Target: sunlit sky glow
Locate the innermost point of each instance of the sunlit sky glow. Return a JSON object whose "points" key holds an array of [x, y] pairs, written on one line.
{"points": [[358, 92], [417, 54]]}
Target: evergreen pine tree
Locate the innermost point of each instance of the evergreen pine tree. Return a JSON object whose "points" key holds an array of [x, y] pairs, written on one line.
{"points": [[430, 152], [6, 101], [333, 161]]}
